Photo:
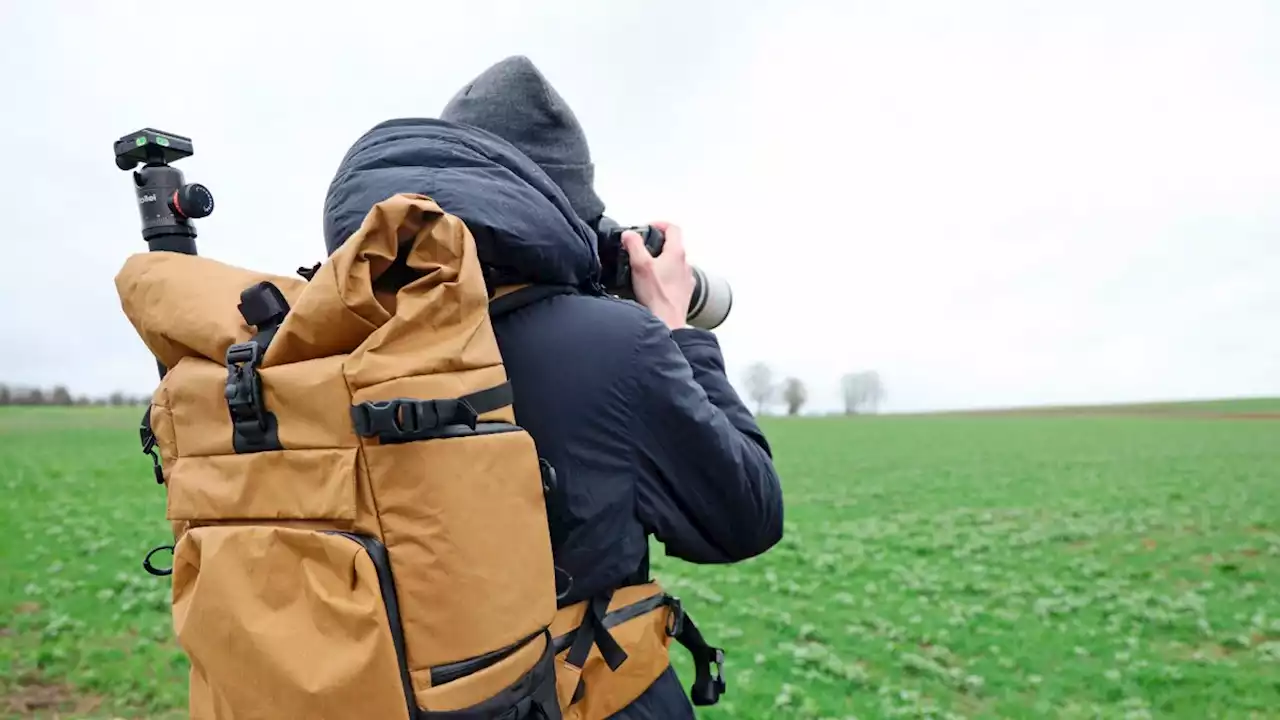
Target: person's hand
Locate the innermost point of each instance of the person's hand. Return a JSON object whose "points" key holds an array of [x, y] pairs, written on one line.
{"points": [[663, 284]]}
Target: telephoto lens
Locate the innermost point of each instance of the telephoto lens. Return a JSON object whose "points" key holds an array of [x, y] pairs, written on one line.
{"points": [[712, 299]]}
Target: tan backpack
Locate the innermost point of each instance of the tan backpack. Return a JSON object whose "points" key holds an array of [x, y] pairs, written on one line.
{"points": [[360, 524]]}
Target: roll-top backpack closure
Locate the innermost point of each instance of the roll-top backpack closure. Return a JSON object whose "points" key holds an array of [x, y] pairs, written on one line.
{"points": [[350, 444]]}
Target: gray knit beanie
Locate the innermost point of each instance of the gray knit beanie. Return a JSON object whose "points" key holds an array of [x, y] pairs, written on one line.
{"points": [[515, 102]]}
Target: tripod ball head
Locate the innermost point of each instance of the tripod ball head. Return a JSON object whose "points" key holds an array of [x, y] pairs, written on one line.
{"points": [[166, 202]]}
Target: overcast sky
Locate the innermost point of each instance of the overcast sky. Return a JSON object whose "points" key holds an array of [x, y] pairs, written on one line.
{"points": [[991, 203]]}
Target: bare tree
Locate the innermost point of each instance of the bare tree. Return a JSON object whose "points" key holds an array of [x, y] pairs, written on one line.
{"points": [[6, 397], [794, 394], [60, 396], [760, 386], [862, 391]]}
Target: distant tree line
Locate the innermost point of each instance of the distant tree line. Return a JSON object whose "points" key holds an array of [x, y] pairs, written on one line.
{"points": [[862, 392], [59, 395]]}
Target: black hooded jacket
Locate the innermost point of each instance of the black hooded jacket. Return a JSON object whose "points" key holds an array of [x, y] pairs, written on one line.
{"points": [[645, 432]]}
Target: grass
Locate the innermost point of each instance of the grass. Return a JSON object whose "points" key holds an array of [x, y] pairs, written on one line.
{"points": [[949, 566], [1201, 408]]}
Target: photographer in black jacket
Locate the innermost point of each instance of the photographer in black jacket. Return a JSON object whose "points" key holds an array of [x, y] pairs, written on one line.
{"points": [[630, 405]]}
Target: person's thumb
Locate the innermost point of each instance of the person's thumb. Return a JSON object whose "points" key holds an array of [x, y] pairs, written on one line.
{"points": [[634, 245]]}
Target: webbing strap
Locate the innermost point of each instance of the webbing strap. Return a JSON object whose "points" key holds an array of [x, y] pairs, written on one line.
{"points": [[407, 419], [706, 689], [593, 631], [254, 428], [517, 299], [484, 401], [147, 436], [596, 621]]}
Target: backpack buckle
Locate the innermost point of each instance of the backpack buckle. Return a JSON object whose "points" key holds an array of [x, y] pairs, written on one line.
{"points": [[244, 391], [707, 690], [403, 419], [149, 441]]}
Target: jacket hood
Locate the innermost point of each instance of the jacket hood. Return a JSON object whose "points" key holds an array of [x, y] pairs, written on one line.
{"points": [[534, 235]]}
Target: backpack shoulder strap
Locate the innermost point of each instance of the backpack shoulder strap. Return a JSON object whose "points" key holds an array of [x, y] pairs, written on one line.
{"points": [[506, 303]]}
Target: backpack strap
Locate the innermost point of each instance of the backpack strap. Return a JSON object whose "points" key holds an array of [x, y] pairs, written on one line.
{"points": [[506, 303], [594, 632], [307, 273], [254, 428], [406, 419], [706, 688]]}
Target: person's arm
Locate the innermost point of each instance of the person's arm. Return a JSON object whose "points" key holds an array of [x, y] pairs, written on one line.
{"points": [[702, 349], [707, 487]]}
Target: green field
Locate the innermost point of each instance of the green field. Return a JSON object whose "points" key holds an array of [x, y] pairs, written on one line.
{"points": [[949, 566]]}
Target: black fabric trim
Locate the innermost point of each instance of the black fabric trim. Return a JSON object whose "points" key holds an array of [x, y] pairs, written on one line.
{"points": [[387, 588], [441, 674], [531, 697]]}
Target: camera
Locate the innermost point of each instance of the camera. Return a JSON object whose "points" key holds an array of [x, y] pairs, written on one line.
{"points": [[712, 297]]}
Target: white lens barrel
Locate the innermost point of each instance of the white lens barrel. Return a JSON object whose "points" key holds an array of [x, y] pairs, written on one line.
{"points": [[712, 300]]}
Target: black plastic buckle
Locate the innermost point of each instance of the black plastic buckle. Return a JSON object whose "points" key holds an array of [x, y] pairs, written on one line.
{"points": [[402, 419], [675, 621], [244, 390], [244, 353], [150, 449], [708, 693], [148, 439]]}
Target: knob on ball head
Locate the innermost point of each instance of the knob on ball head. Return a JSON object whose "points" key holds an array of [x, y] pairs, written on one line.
{"points": [[166, 202]]}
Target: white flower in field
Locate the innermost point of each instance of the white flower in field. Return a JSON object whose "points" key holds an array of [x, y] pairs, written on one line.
{"points": [[1270, 651], [783, 698]]}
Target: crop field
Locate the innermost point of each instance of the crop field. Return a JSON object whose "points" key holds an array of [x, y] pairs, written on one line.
{"points": [[1009, 565]]}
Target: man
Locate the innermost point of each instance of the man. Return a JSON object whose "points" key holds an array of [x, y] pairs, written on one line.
{"points": [[629, 405]]}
